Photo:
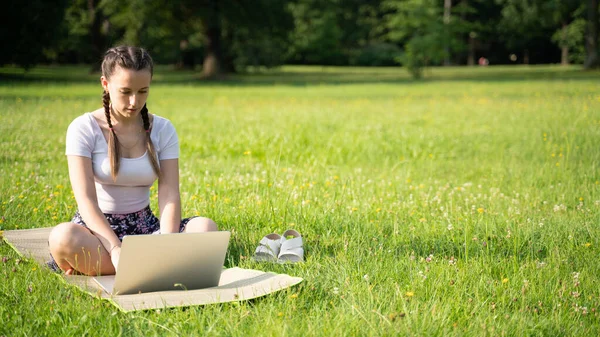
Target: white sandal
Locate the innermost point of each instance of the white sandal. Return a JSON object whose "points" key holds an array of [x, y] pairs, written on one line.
{"points": [[291, 250], [269, 247]]}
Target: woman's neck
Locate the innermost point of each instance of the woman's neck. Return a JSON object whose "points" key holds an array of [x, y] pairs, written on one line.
{"points": [[125, 121]]}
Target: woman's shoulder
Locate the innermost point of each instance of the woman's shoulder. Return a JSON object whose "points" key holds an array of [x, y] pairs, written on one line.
{"points": [[83, 121], [162, 124]]}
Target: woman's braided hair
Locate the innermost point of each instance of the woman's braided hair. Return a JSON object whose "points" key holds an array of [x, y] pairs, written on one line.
{"points": [[133, 58]]}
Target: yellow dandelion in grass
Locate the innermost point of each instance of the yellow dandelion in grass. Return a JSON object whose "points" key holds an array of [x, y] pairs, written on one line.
{"points": [[409, 294], [294, 296], [279, 314], [504, 280], [422, 220], [587, 244], [247, 153], [480, 210]]}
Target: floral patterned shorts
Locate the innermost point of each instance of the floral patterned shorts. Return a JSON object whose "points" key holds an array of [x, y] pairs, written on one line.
{"points": [[140, 222]]}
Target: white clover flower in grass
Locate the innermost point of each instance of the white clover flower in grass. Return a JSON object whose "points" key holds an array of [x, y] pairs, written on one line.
{"points": [[559, 208]]}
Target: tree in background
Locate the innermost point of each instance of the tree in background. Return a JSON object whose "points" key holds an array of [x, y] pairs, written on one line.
{"points": [[340, 32], [427, 36], [317, 38], [231, 35], [30, 30], [520, 25], [591, 36], [87, 28], [256, 34], [569, 17], [527, 24], [225, 35], [170, 29]]}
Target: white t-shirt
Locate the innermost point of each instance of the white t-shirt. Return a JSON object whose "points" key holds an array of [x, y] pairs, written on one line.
{"points": [[131, 191]]}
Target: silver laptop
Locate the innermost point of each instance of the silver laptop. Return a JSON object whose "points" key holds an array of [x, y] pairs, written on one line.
{"points": [[179, 261]]}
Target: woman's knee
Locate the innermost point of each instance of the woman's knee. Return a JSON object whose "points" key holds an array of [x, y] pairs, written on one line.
{"points": [[64, 237], [201, 224]]}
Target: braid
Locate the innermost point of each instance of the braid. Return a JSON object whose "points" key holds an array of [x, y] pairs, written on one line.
{"points": [[145, 118], [149, 144], [113, 142]]}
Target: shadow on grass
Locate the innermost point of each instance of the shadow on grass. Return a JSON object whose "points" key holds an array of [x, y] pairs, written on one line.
{"points": [[311, 75]]}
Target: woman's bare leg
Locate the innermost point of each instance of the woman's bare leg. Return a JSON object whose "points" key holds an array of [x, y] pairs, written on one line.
{"points": [[75, 248], [199, 225]]}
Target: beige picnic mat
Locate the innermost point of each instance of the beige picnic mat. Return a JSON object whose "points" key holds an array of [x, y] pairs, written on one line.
{"points": [[236, 284]]}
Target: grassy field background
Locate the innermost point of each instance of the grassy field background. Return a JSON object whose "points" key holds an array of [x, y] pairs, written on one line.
{"points": [[464, 204]]}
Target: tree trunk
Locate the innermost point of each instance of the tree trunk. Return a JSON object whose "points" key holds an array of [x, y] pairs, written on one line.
{"points": [[97, 40], [186, 57], [564, 49], [447, 8], [526, 56], [211, 68], [591, 36], [471, 56], [564, 56]]}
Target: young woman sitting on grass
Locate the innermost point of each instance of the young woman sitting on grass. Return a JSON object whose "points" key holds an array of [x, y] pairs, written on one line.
{"points": [[114, 155]]}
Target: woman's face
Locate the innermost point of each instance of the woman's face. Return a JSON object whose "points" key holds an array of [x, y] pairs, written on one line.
{"points": [[128, 90]]}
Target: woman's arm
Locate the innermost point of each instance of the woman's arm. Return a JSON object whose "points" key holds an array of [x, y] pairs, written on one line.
{"points": [[169, 201], [82, 182]]}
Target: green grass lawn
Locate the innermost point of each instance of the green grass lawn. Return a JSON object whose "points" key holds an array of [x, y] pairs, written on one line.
{"points": [[464, 204]]}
